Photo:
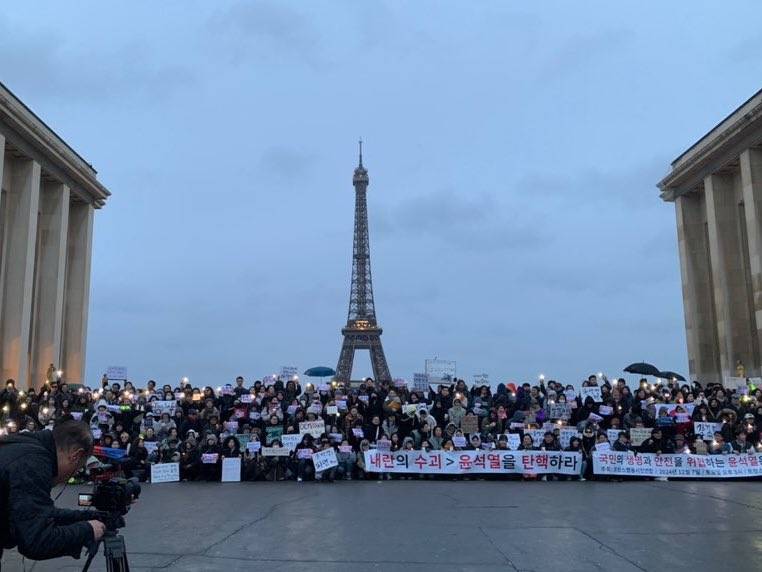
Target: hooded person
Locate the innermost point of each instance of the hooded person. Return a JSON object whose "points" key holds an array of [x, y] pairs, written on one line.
{"points": [[211, 468]]}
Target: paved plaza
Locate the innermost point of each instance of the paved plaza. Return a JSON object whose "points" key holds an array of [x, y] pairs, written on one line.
{"points": [[438, 525]]}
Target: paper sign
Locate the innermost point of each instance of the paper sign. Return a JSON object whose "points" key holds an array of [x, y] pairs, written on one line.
{"points": [[246, 398], [291, 409], [638, 435], [383, 445], [254, 446], [559, 411], [358, 432], [565, 436], [161, 407], [116, 372], [209, 458], [594, 417], [332, 410], [314, 428], [409, 408], [605, 410], [289, 372], [151, 446], [514, 440], [336, 437], [470, 424], [304, 453], [76, 415], [570, 394], [231, 470], [341, 404], [706, 430], [613, 434], [601, 447], [459, 441], [290, 441], [275, 452], [165, 473], [273, 433], [594, 392], [734, 382], [345, 448], [324, 460], [231, 426]]}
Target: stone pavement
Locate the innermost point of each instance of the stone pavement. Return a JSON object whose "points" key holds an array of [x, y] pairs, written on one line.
{"points": [[438, 525]]}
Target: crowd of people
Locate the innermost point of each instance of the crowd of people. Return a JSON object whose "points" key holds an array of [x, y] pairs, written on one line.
{"points": [[198, 427]]}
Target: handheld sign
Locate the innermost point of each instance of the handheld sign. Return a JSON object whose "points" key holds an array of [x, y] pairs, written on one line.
{"points": [[324, 460], [165, 473], [314, 428], [594, 392], [275, 452], [231, 470]]}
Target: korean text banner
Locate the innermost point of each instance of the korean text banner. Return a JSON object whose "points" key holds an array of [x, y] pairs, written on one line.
{"points": [[678, 465], [468, 462]]}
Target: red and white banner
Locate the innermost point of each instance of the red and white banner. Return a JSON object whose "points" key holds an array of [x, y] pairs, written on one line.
{"points": [[474, 462]]}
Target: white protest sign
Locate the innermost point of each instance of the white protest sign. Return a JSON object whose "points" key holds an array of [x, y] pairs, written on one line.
{"points": [[420, 382], [605, 410], [324, 460], [594, 392], [537, 436], [246, 398], [290, 441], [151, 446], [76, 415], [559, 411], [459, 441], [254, 446], [118, 372], [638, 435], [165, 473], [161, 407], [332, 410], [481, 379], [706, 430], [304, 453], [275, 452], [231, 470], [602, 447], [565, 436], [570, 394], [514, 440], [289, 372], [613, 434], [209, 458], [314, 428]]}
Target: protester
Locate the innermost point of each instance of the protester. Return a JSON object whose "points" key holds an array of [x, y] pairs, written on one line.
{"points": [[199, 428]]}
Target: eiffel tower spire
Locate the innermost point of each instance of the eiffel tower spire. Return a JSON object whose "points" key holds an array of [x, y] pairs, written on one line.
{"points": [[362, 330]]}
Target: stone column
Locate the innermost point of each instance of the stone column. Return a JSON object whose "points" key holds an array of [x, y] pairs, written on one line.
{"points": [[51, 273], [698, 303], [77, 291], [751, 184], [21, 220], [731, 297]]}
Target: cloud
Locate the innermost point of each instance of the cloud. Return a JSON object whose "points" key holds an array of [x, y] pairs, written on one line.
{"points": [[633, 187], [472, 223], [268, 30], [47, 64], [287, 162]]}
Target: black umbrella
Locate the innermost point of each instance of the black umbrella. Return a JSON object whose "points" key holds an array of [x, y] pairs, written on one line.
{"points": [[642, 368], [670, 375]]}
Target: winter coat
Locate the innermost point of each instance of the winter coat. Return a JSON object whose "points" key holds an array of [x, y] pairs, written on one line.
{"points": [[28, 518]]}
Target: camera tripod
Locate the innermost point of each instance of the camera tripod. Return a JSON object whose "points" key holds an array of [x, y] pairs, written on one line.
{"points": [[114, 550]]}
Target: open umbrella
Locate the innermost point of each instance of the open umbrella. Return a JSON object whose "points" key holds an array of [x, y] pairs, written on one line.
{"points": [[670, 375], [320, 371], [642, 368]]}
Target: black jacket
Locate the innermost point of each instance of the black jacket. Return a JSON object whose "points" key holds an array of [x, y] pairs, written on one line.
{"points": [[28, 519]]}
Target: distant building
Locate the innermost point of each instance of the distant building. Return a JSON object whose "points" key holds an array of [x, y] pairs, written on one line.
{"points": [[49, 195], [716, 186]]}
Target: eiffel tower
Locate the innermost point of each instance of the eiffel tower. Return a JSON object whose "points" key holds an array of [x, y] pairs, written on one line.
{"points": [[362, 331]]}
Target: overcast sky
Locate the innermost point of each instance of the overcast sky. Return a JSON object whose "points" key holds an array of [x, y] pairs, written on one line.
{"points": [[513, 152]]}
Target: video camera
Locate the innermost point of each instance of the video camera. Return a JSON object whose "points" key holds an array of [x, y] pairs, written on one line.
{"points": [[113, 497]]}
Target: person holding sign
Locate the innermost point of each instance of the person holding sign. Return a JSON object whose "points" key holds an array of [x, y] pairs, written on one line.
{"points": [[329, 474], [210, 471], [302, 458]]}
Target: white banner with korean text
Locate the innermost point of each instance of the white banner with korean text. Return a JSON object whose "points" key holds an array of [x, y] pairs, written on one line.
{"points": [[469, 462], [677, 465]]}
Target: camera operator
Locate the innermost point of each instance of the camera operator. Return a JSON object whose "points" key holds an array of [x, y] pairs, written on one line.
{"points": [[30, 464]]}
